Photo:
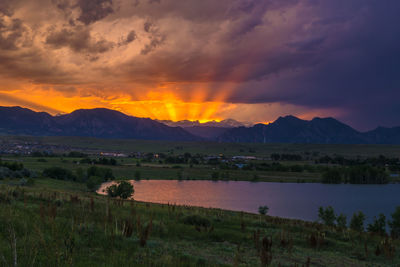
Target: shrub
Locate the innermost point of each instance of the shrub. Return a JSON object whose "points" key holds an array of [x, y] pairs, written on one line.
{"points": [[137, 175], [327, 215], [378, 225], [341, 221], [105, 173], [59, 174], [80, 175], [263, 210], [215, 175], [94, 182], [332, 176], [197, 220], [5, 173], [394, 224], [357, 222], [122, 189]]}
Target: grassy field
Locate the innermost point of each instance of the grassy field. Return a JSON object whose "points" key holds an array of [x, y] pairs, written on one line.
{"points": [[208, 148], [58, 223], [128, 167], [61, 223]]}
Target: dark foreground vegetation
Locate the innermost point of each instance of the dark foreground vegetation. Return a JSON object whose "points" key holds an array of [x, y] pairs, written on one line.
{"points": [[50, 214], [60, 223]]}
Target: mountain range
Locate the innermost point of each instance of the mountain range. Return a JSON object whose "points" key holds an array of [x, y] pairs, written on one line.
{"points": [[99, 122], [105, 123], [207, 130]]}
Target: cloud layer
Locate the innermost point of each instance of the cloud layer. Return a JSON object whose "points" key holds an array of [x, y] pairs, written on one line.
{"points": [[253, 59]]}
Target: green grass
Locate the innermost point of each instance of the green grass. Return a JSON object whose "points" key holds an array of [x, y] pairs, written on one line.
{"points": [[127, 168], [58, 223], [207, 148]]}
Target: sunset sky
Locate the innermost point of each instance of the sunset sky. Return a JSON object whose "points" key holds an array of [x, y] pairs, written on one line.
{"points": [[205, 59]]}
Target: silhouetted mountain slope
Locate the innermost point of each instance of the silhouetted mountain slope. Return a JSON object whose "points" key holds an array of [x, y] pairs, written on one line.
{"points": [[290, 129], [207, 132], [99, 122], [17, 120], [107, 123], [228, 123], [382, 135]]}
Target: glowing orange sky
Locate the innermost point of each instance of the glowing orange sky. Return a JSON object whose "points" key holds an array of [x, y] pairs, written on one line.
{"points": [[155, 105], [251, 61]]}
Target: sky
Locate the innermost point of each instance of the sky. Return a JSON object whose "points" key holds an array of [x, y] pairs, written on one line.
{"points": [[205, 60]]}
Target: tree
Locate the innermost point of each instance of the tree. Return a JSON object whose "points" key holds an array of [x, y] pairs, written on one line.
{"points": [[395, 223], [105, 173], [137, 175], [180, 175], [80, 175], [341, 221], [122, 189], [378, 225], [215, 175], [357, 222], [332, 176], [263, 210], [93, 182], [59, 174], [327, 215]]}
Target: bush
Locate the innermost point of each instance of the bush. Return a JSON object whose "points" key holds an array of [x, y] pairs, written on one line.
{"points": [[378, 225], [394, 224], [93, 182], [14, 166], [327, 215], [80, 175], [332, 176], [59, 174], [122, 189], [215, 175], [6, 173], [105, 173], [263, 210], [196, 220], [357, 222], [137, 175], [367, 175], [341, 221]]}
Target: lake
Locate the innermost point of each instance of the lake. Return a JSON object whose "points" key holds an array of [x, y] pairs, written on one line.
{"points": [[289, 200]]}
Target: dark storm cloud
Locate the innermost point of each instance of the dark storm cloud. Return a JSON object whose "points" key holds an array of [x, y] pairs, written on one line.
{"points": [[90, 10], [94, 10], [156, 38], [79, 40], [5, 7], [10, 33], [337, 54], [31, 65], [317, 54], [131, 36]]}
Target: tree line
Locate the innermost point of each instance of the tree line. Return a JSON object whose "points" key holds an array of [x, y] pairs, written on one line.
{"points": [[359, 174], [357, 223]]}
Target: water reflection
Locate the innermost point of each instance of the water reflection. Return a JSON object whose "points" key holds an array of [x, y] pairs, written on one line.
{"points": [[290, 200]]}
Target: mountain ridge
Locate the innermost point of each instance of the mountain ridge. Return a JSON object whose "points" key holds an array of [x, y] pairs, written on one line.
{"points": [[106, 123], [102, 123]]}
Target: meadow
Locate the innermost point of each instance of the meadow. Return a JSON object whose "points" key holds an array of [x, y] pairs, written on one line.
{"points": [[63, 223], [60, 223], [140, 157], [91, 144]]}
